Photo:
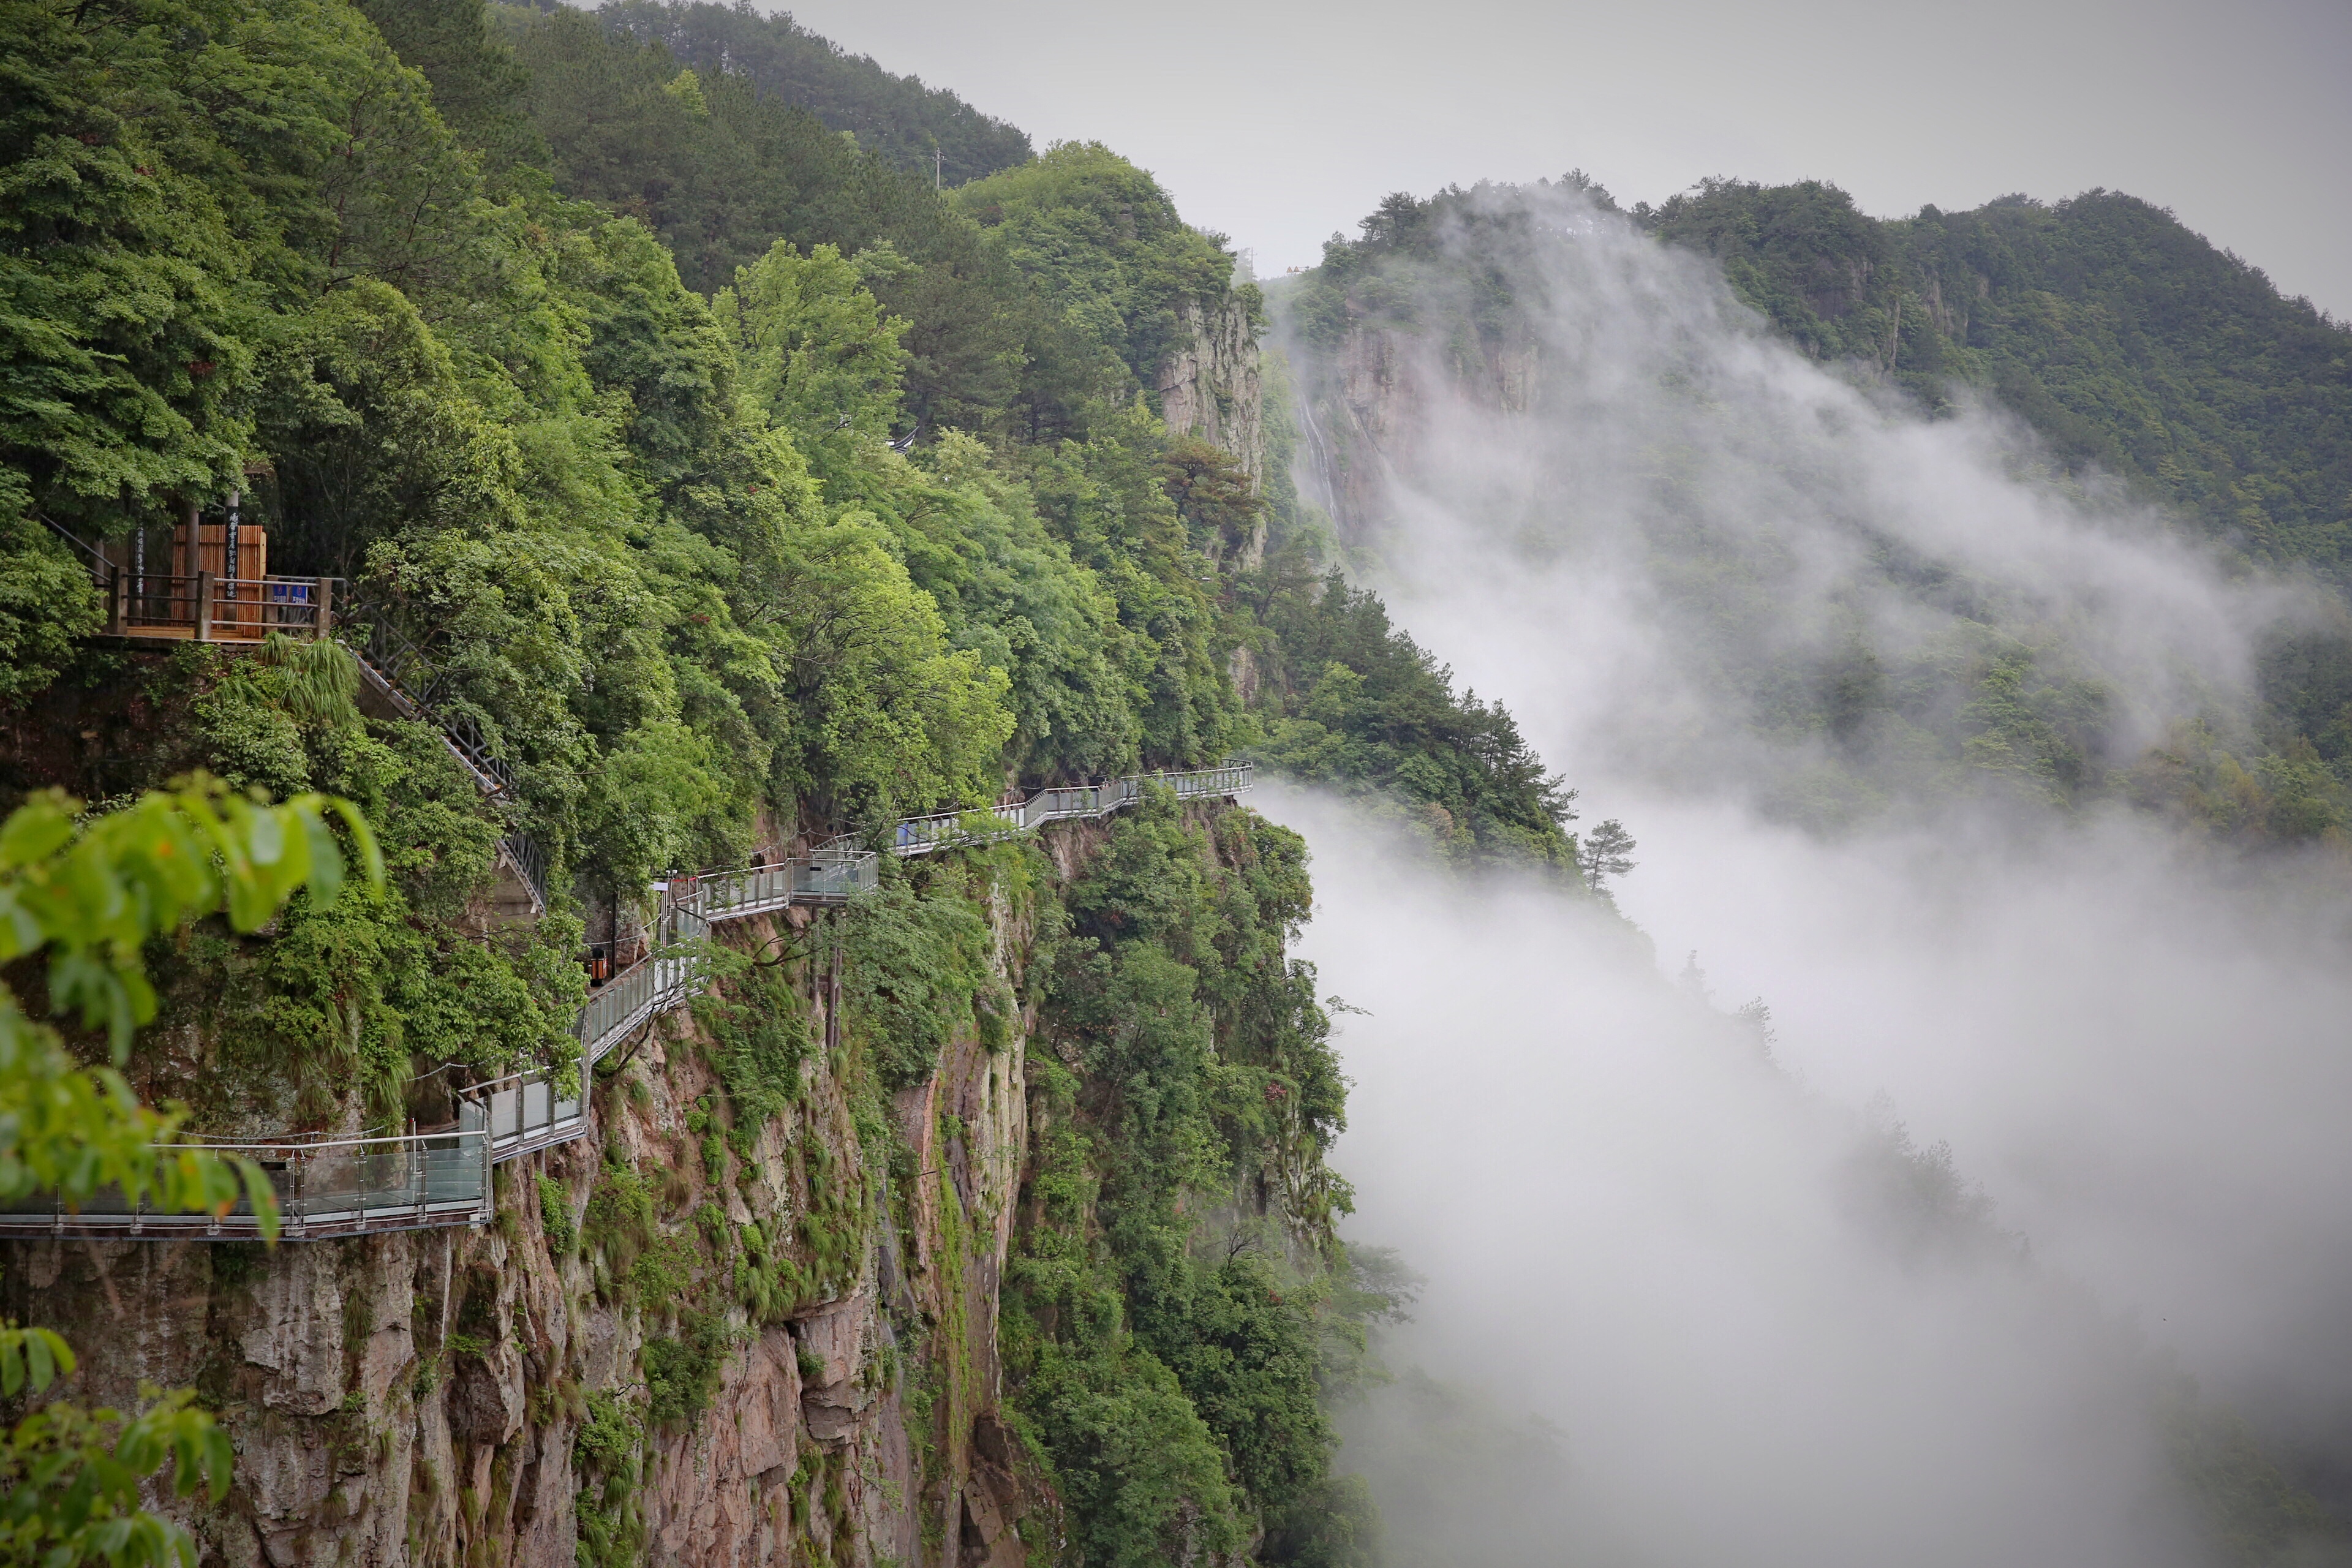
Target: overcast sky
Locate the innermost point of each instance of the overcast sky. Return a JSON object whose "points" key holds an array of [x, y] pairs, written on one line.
{"points": [[1279, 121]]}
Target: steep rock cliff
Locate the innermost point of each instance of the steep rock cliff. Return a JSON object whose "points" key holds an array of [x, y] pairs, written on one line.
{"points": [[1210, 385], [694, 1338], [1366, 408]]}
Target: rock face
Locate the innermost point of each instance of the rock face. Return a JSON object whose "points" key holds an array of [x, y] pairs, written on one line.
{"points": [[1210, 386], [1367, 407], [453, 1396]]}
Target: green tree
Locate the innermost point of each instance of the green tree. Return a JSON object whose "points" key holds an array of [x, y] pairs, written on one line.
{"points": [[1607, 851], [819, 357], [89, 894], [888, 718], [895, 116], [45, 602], [1105, 244], [1215, 496]]}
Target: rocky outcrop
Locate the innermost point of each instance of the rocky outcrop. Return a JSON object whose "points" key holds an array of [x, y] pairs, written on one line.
{"points": [[468, 1396], [1370, 411], [721, 1495], [1210, 387]]}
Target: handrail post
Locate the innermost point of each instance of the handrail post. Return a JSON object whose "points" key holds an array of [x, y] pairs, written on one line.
{"points": [[203, 607], [323, 593]]}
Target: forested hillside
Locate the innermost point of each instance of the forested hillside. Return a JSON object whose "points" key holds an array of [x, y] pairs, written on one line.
{"points": [[2152, 369], [743, 490], [757, 450], [2126, 340], [895, 116]]}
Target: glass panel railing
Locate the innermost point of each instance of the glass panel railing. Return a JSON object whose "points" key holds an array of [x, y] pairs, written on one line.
{"points": [[335, 1186], [449, 1171], [921, 835], [524, 1111], [440, 1177], [619, 1006]]}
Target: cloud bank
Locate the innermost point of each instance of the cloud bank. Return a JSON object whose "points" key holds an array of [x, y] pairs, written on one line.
{"points": [[1764, 1329]]}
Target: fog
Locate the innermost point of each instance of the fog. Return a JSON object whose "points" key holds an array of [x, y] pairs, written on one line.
{"points": [[1705, 1263]]}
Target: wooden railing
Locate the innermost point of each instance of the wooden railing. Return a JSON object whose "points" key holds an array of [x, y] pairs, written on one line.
{"points": [[202, 606], [205, 608]]}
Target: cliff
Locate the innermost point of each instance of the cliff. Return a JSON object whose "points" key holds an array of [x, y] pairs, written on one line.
{"points": [[756, 1319], [1370, 405], [820, 1340], [1209, 385]]}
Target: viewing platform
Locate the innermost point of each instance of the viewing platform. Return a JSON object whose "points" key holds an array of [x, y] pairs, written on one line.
{"points": [[210, 581]]}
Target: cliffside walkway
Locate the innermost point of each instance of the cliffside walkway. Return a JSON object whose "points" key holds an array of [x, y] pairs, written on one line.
{"points": [[356, 1187], [330, 1188]]}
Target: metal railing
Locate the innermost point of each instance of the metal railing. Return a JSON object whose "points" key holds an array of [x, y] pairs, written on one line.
{"points": [[423, 688], [526, 1110], [349, 1186], [948, 829], [92, 557], [420, 687], [649, 987], [345, 1186], [352, 1186], [529, 861], [831, 874]]}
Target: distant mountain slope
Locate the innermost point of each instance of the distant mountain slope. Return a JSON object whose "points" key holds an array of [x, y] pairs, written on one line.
{"points": [[1477, 329], [895, 116], [2126, 339]]}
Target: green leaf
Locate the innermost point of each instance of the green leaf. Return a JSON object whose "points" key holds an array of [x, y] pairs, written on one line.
{"points": [[35, 831], [261, 1196], [264, 838], [324, 867]]}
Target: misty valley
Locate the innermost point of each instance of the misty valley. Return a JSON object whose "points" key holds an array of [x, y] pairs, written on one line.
{"points": [[743, 825]]}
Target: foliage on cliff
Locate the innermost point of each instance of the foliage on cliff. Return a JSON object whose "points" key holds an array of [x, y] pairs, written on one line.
{"points": [[2126, 339], [1103, 242], [663, 545], [734, 483], [89, 892], [1357, 704], [1179, 1312], [385, 981], [2133, 347]]}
